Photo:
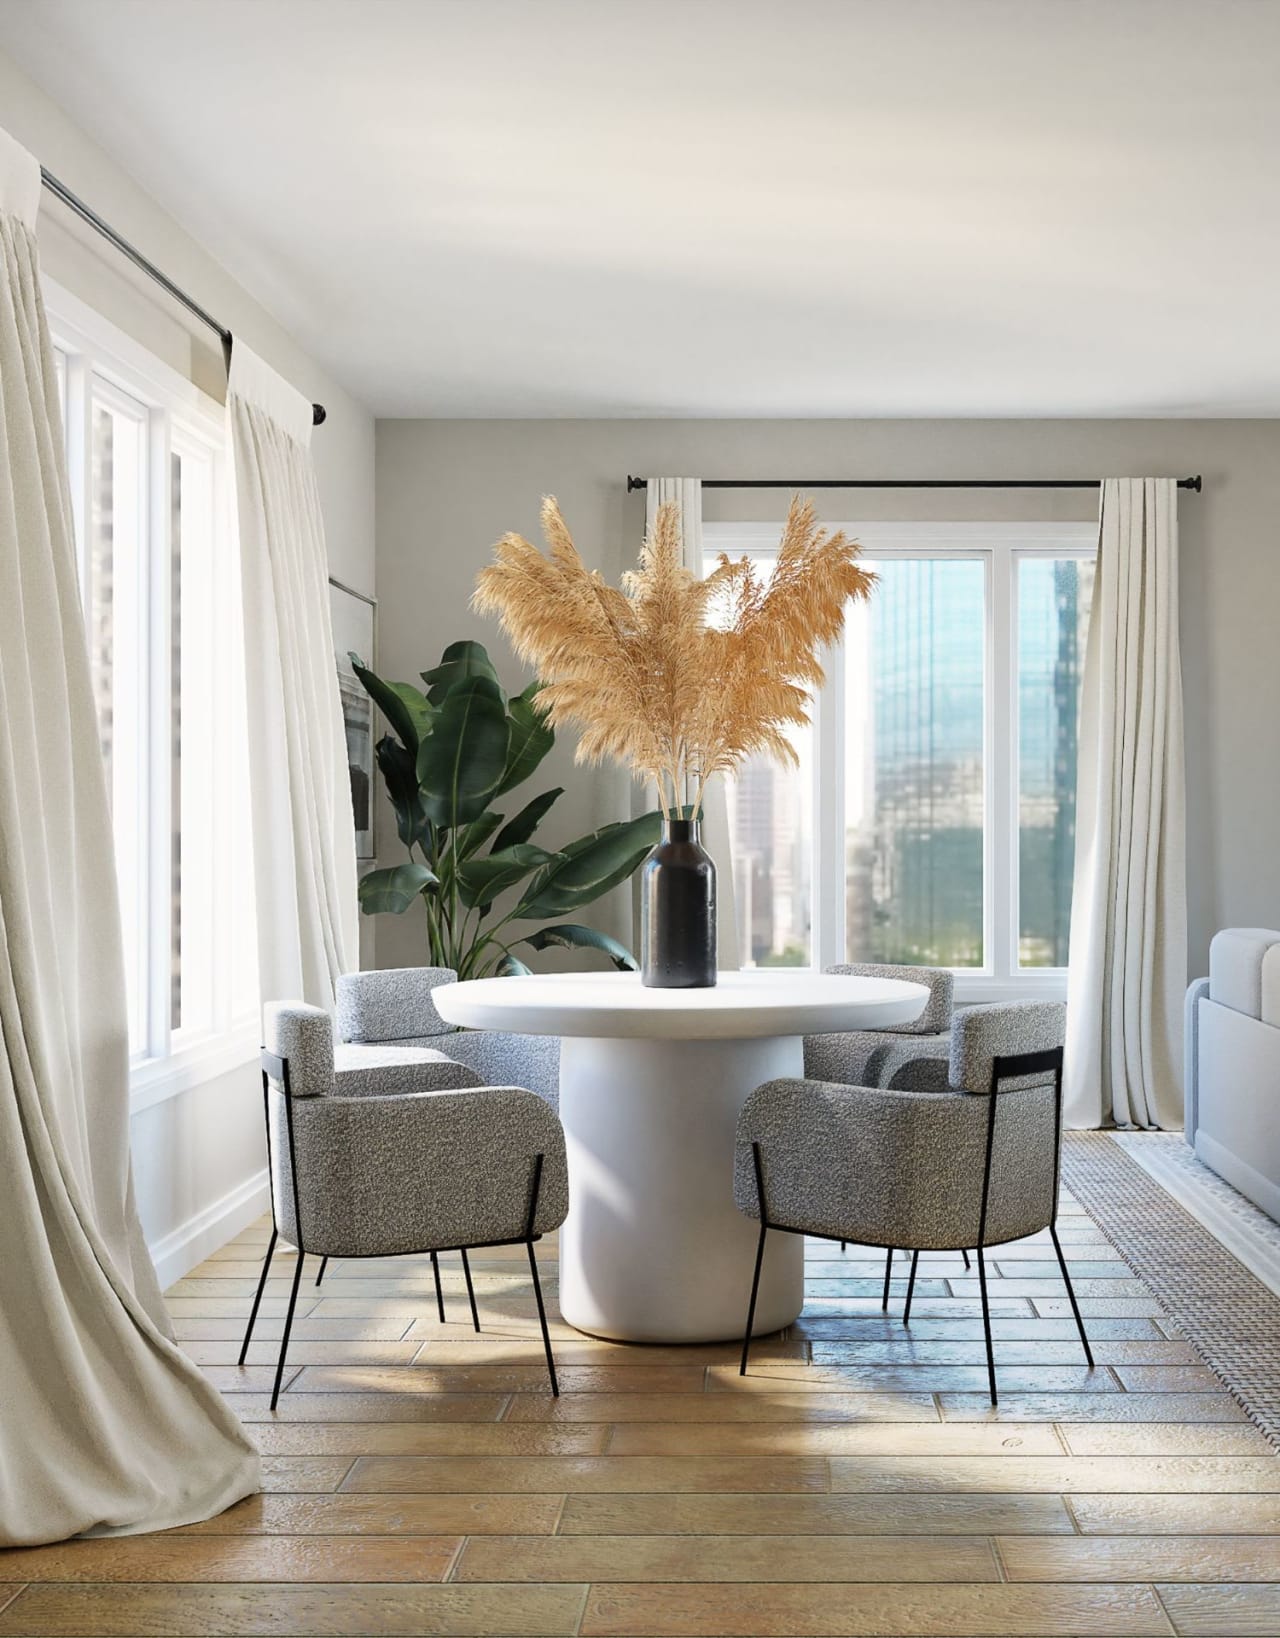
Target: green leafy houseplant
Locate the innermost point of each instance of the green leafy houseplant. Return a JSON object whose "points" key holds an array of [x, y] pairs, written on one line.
{"points": [[452, 752]]}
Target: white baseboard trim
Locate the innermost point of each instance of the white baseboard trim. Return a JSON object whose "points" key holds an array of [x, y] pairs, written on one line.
{"points": [[178, 1252]]}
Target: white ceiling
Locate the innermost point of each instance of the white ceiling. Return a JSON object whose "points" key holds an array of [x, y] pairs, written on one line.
{"points": [[717, 207]]}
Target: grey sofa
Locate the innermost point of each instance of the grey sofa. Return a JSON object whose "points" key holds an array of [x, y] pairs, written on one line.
{"points": [[871, 1057], [380, 1015], [975, 1165], [406, 1158], [1232, 1063]]}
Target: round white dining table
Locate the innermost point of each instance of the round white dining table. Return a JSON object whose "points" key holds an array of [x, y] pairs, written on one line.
{"points": [[651, 1085]]}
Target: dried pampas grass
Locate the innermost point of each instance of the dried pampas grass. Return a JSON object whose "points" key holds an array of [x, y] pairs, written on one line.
{"points": [[674, 677]]}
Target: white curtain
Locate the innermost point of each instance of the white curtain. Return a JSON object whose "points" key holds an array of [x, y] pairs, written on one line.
{"points": [[1128, 960], [304, 846], [687, 494], [105, 1426]]}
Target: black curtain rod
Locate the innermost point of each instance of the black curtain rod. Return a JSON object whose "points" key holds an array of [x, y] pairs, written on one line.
{"points": [[87, 214], [904, 483]]}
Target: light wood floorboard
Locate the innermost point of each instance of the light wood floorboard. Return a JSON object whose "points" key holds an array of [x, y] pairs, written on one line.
{"points": [[419, 1478]]}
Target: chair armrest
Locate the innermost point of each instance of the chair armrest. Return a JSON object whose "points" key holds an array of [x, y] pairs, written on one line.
{"points": [[922, 1065], [382, 1176], [502, 1059], [849, 1058]]}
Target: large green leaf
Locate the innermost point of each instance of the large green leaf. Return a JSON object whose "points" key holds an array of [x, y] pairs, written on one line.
{"points": [[471, 838], [394, 889], [404, 706], [459, 663], [397, 765], [531, 739], [461, 762], [481, 880], [511, 967], [527, 820], [589, 867], [571, 935]]}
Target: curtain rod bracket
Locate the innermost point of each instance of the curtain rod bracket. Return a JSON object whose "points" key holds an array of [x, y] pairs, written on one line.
{"points": [[86, 213]]}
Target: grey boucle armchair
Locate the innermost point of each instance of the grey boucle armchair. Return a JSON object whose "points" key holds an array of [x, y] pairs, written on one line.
{"points": [[380, 1014], [866, 1057], [975, 1165], [415, 1157]]}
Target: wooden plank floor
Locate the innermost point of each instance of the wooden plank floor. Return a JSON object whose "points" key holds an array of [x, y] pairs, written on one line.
{"points": [[420, 1479]]}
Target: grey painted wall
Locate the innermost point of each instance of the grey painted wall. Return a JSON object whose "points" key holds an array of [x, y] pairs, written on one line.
{"points": [[446, 490]]}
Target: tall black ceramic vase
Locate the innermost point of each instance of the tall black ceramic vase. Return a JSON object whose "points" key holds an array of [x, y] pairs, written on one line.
{"points": [[678, 911]]}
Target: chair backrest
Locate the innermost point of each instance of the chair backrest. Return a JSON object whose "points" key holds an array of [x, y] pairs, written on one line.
{"points": [[980, 1035], [391, 1005], [940, 983], [303, 1037]]}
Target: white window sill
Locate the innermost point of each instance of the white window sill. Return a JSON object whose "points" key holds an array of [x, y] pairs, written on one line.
{"points": [[1030, 986], [153, 1080]]}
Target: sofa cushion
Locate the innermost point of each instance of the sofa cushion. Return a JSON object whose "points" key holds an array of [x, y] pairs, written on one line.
{"points": [[391, 1005], [1236, 956]]}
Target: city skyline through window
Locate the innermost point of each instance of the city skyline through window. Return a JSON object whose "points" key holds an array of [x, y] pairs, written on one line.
{"points": [[931, 818]]}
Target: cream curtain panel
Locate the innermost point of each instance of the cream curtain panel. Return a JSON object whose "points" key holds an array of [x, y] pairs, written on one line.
{"points": [[687, 494], [304, 845], [1128, 961], [105, 1426]]}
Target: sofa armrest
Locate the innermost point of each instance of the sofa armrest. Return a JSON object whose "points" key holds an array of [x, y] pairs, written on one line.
{"points": [[1197, 991]]}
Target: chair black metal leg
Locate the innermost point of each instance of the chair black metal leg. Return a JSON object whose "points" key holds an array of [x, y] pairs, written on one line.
{"points": [[986, 1326], [1075, 1307], [965, 1255], [288, 1326], [888, 1275], [755, 1291], [911, 1287], [262, 1286], [435, 1269], [324, 1263], [542, 1320], [843, 1244], [471, 1293]]}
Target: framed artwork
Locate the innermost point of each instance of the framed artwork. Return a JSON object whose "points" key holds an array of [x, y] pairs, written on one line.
{"points": [[354, 618]]}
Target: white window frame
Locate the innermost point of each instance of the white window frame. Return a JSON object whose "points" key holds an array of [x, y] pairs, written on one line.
{"points": [[1000, 547], [172, 1061]]}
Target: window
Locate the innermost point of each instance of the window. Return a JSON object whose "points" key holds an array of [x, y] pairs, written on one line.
{"points": [[145, 456], [932, 818]]}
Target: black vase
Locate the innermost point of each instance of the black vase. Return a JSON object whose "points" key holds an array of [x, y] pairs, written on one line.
{"points": [[678, 911]]}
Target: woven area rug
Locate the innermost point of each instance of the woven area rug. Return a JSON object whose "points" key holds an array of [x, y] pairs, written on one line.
{"points": [[1231, 1318]]}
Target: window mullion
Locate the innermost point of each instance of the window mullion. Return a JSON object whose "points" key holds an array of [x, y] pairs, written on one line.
{"points": [[156, 775], [1001, 831], [79, 424], [828, 875]]}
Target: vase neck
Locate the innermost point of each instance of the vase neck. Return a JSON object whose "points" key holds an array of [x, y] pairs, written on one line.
{"points": [[679, 830]]}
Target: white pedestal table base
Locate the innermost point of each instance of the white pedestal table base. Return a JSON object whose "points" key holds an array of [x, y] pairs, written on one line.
{"points": [[654, 1249]]}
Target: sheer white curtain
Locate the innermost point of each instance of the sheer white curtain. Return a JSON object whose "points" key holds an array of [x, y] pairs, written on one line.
{"points": [[1128, 960], [687, 494], [304, 845], [105, 1426]]}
